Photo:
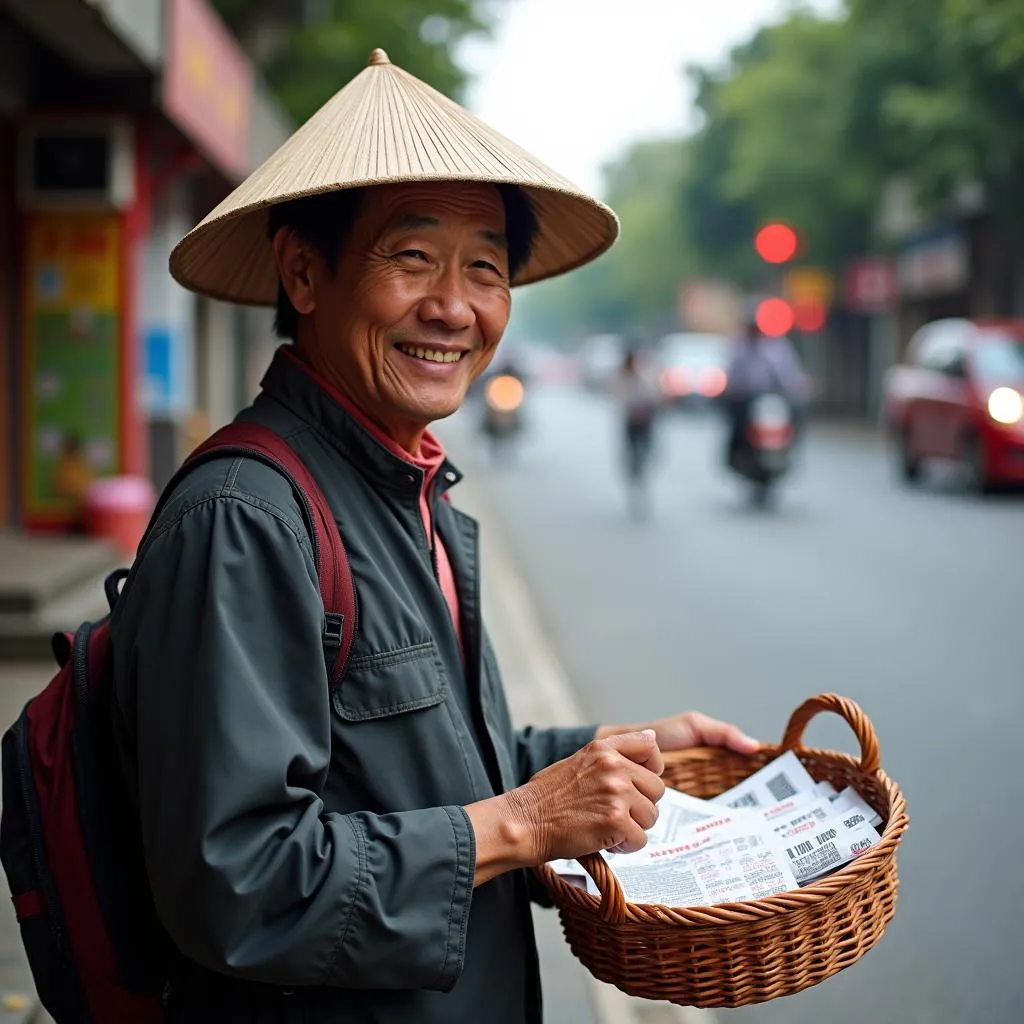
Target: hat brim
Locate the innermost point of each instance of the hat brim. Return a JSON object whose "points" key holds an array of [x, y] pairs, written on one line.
{"points": [[231, 257], [384, 127]]}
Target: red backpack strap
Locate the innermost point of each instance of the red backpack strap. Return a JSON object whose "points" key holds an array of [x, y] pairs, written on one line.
{"points": [[337, 590]]}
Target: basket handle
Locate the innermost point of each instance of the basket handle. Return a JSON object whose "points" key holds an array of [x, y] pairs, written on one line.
{"points": [[848, 709], [613, 900]]}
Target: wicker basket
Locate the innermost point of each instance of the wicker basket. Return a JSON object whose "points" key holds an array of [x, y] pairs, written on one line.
{"points": [[733, 954]]}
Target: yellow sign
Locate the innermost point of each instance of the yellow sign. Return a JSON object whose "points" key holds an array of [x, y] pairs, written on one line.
{"points": [[76, 261], [72, 364], [805, 286]]}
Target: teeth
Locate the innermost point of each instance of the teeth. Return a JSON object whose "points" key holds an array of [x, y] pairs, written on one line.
{"points": [[431, 355]]}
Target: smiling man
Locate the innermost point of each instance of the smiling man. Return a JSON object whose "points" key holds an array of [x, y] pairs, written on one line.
{"points": [[360, 855]]}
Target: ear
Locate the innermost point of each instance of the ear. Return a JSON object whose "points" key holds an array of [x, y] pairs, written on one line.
{"points": [[294, 265]]}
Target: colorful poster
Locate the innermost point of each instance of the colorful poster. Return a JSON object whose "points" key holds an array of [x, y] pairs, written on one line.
{"points": [[72, 368]]}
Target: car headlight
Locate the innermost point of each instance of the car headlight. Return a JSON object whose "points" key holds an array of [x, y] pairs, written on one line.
{"points": [[1005, 405]]}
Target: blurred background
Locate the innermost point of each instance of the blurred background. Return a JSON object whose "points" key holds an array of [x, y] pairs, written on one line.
{"points": [[833, 187]]}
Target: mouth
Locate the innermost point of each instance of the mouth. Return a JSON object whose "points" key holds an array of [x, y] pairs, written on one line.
{"points": [[430, 355]]}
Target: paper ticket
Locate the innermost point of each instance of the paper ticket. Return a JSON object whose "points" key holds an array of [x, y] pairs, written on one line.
{"points": [[782, 780], [712, 868]]}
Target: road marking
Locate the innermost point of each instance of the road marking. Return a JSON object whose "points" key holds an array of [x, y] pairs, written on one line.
{"points": [[551, 689]]}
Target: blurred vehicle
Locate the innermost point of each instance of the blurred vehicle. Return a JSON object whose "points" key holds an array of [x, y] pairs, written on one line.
{"points": [[502, 414], [958, 396], [764, 452], [693, 368], [547, 365], [599, 359]]}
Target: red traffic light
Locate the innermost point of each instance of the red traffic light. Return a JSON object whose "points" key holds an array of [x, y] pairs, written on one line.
{"points": [[810, 316], [776, 243], [774, 317]]}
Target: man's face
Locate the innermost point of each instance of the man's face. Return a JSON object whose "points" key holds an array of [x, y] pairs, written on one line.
{"points": [[416, 307]]}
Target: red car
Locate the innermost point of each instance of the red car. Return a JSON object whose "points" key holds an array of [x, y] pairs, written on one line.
{"points": [[958, 396]]}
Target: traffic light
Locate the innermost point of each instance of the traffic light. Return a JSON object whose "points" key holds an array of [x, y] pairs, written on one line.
{"points": [[810, 315], [776, 243], [774, 317]]}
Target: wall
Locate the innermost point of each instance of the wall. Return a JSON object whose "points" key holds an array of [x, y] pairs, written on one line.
{"points": [[8, 300], [166, 334], [139, 23], [216, 388]]}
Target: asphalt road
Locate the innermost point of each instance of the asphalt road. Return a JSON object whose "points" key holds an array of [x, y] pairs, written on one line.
{"points": [[908, 601]]}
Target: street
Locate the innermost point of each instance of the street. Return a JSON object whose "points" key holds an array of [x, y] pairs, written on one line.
{"points": [[908, 601]]}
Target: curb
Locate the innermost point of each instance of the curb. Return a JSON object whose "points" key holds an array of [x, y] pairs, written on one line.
{"points": [[552, 689]]}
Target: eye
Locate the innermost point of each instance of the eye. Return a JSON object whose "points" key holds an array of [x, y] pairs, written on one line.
{"points": [[486, 265], [416, 254]]}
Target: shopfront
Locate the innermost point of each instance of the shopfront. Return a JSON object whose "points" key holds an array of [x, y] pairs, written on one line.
{"points": [[121, 124]]}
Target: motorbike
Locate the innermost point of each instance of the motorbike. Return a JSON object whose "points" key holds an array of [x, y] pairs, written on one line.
{"points": [[502, 415], [765, 451]]}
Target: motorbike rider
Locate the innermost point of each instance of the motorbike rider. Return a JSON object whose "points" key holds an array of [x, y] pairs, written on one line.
{"points": [[761, 365]]}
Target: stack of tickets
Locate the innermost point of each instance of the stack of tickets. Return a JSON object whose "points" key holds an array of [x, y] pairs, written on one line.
{"points": [[776, 831]]}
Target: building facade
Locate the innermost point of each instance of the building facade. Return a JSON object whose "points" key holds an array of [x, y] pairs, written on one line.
{"points": [[122, 122]]}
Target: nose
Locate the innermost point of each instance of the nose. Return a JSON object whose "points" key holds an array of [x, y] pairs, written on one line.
{"points": [[446, 305]]}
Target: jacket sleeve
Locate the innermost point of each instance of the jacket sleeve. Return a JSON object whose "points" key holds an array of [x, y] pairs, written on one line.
{"points": [[251, 876], [538, 748]]}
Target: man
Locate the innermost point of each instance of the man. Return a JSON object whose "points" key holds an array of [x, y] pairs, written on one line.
{"points": [[361, 857], [761, 365]]}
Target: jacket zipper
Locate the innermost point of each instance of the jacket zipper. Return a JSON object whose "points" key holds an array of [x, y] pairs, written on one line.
{"points": [[430, 538]]}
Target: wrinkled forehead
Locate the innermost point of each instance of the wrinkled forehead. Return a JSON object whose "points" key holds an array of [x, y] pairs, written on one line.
{"points": [[436, 204]]}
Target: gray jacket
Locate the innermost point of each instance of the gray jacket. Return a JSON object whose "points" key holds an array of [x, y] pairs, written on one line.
{"points": [[310, 857]]}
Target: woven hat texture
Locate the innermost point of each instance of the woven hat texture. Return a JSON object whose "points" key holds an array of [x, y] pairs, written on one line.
{"points": [[384, 126]]}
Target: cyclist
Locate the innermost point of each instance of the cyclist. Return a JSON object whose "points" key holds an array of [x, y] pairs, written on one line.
{"points": [[639, 399]]}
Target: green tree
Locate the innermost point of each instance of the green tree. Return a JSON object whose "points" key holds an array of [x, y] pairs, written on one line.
{"points": [[633, 287], [786, 136], [308, 49], [952, 94]]}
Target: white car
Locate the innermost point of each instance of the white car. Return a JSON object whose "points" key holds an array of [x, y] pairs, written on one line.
{"points": [[600, 357]]}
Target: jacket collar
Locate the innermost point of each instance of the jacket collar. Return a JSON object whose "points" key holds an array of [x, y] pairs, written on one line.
{"points": [[288, 382]]}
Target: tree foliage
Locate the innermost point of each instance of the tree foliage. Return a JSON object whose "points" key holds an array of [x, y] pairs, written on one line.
{"points": [[308, 49], [632, 288], [807, 122]]}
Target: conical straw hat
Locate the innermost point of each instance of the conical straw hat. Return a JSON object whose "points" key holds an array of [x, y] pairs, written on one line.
{"points": [[384, 126]]}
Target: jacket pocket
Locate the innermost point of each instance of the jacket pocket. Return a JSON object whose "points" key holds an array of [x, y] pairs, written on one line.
{"points": [[392, 683]]}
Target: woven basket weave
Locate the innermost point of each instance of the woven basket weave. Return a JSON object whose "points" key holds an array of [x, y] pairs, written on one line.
{"points": [[734, 954]]}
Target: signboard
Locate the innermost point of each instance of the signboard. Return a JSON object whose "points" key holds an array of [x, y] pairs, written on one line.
{"points": [[870, 285], [208, 84], [704, 304], [72, 372], [808, 286], [936, 264]]}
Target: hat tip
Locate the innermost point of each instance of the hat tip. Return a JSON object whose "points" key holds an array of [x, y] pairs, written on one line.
{"points": [[379, 56]]}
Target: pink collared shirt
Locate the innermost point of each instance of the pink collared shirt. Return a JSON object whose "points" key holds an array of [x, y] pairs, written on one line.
{"points": [[428, 459]]}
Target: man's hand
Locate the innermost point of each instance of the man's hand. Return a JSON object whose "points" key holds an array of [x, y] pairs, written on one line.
{"points": [[691, 729], [602, 797]]}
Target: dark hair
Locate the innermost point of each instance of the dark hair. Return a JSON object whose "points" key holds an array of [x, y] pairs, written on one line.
{"points": [[520, 227], [324, 222]]}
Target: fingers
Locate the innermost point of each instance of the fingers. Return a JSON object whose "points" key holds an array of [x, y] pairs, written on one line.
{"points": [[647, 783], [711, 732], [643, 812], [635, 839], [639, 747]]}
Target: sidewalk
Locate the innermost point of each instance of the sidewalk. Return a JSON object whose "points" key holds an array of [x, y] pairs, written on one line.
{"points": [[540, 694], [18, 682]]}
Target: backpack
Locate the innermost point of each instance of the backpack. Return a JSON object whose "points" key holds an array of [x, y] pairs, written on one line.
{"points": [[68, 842]]}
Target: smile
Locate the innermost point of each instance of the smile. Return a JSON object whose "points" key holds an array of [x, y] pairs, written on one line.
{"points": [[431, 355]]}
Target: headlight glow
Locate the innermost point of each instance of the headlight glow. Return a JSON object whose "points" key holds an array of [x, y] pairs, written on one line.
{"points": [[1006, 406], [504, 393]]}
